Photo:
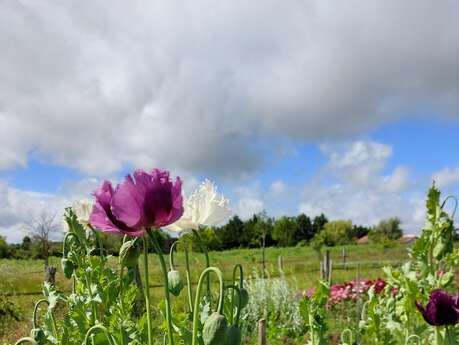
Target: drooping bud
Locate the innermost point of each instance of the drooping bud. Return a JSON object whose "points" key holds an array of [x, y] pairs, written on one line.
{"points": [[244, 298], [38, 335], [129, 254], [174, 281], [214, 330], [233, 336], [67, 267]]}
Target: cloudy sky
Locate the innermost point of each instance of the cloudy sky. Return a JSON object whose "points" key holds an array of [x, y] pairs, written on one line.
{"points": [[350, 108]]}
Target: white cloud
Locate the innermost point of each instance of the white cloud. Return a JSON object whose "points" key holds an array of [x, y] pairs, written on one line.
{"points": [[248, 206], [97, 87], [446, 177], [362, 191], [278, 187]]}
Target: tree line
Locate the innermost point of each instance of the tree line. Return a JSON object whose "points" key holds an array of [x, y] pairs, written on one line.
{"points": [[259, 230]]}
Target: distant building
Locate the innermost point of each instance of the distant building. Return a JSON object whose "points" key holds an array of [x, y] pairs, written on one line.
{"points": [[363, 240], [408, 238]]}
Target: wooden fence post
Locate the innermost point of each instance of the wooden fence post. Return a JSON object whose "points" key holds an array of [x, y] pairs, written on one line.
{"points": [[262, 332], [344, 258], [280, 264]]}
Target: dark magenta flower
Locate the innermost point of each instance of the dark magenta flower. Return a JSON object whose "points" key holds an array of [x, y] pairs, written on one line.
{"points": [[440, 310], [141, 201]]}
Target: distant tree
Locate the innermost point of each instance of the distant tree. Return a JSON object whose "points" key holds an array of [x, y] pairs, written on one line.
{"points": [[284, 231], [305, 229], [359, 231], [41, 228], [26, 243], [231, 233], [390, 228], [337, 232], [318, 223], [5, 250]]}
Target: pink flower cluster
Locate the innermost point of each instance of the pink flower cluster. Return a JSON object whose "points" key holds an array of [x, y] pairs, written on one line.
{"points": [[349, 291]]}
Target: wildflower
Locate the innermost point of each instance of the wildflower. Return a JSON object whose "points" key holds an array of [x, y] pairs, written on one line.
{"points": [[442, 309], [142, 201]]}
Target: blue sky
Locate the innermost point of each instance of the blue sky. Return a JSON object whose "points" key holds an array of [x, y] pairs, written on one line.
{"points": [[333, 111]]}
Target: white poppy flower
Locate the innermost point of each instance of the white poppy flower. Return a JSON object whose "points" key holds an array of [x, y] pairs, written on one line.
{"points": [[82, 209], [204, 207]]}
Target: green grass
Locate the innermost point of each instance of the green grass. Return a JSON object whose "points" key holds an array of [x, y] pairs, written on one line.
{"points": [[21, 280]]}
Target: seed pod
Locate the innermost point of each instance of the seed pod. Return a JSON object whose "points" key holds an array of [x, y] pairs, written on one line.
{"points": [[214, 330], [38, 335], [244, 298], [233, 336], [67, 267], [174, 281], [129, 254]]}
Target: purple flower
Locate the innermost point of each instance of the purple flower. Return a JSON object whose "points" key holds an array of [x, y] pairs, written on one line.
{"points": [[141, 201], [442, 309]]}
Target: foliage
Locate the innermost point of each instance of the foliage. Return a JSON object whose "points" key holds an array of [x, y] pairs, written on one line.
{"points": [[8, 312], [338, 232], [277, 302], [389, 228]]}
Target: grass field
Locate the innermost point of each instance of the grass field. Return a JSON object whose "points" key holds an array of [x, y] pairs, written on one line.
{"points": [[21, 280]]}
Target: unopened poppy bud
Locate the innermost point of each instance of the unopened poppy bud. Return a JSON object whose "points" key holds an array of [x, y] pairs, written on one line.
{"points": [[38, 335], [233, 336], [214, 330], [129, 254], [244, 298], [67, 267], [174, 281]]}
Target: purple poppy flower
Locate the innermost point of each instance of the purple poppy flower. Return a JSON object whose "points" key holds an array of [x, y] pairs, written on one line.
{"points": [[142, 201], [440, 310]]}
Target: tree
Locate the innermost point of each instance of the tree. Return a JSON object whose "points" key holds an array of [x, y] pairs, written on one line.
{"points": [[390, 228], [359, 231], [337, 232], [284, 231], [318, 223], [5, 250], [305, 229], [41, 228], [26, 243], [231, 233]]}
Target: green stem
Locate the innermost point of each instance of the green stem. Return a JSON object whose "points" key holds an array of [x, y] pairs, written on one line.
{"points": [[93, 304], [241, 285], [438, 337], [450, 336], [166, 286], [96, 328], [147, 289], [25, 340], [171, 255], [205, 273], [239, 306], [413, 336], [188, 281], [98, 240], [206, 254], [53, 321], [343, 336]]}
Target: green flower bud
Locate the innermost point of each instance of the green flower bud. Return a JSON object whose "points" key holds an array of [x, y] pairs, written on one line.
{"points": [[67, 267], [175, 283], [214, 330], [129, 254], [233, 336], [244, 298], [38, 335], [439, 249]]}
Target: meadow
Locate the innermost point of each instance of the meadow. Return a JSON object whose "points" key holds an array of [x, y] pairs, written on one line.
{"points": [[21, 280]]}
